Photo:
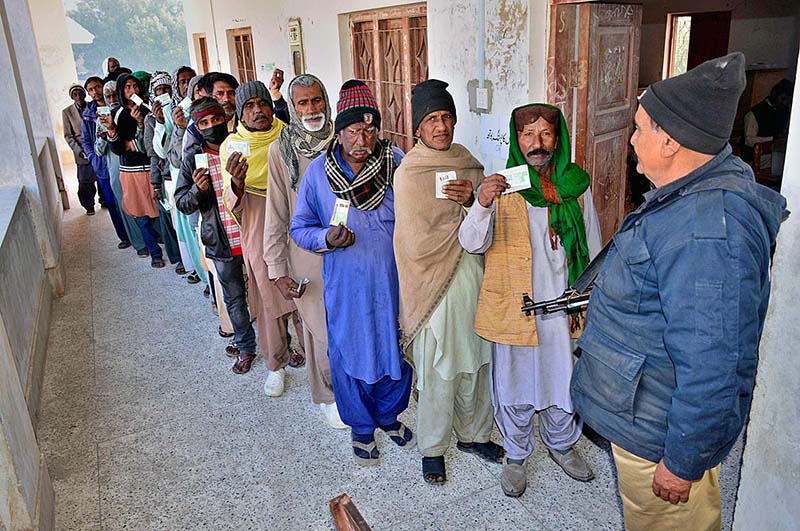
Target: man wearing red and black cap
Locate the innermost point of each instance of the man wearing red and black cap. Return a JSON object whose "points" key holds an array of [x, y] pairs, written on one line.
{"points": [[345, 210], [200, 186]]}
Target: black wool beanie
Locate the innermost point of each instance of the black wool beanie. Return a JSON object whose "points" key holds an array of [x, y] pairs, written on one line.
{"points": [[698, 108], [427, 97]]}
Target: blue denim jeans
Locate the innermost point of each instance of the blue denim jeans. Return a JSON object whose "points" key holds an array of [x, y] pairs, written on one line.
{"points": [[231, 278], [150, 236]]}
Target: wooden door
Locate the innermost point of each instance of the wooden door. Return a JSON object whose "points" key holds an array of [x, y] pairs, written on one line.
{"points": [[243, 55], [390, 54], [592, 75]]}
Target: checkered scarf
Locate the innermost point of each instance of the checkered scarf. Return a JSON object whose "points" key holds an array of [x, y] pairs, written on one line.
{"points": [[368, 189], [228, 223]]}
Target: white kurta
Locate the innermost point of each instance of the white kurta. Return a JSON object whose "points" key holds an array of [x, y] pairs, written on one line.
{"points": [[537, 376]]}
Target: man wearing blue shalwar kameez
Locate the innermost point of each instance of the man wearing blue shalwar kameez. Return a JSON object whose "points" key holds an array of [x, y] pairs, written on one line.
{"points": [[345, 210]]}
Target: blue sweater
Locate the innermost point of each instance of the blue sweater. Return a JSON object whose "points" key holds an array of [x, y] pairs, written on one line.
{"points": [[88, 138], [673, 325]]}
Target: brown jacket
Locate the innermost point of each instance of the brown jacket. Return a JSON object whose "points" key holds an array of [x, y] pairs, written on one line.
{"points": [[71, 118]]}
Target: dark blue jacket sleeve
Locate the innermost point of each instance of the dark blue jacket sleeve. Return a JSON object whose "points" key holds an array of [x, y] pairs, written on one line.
{"points": [[282, 110], [711, 291]]}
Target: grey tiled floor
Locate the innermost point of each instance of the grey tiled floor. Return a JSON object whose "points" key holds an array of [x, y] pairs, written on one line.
{"points": [[144, 427]]}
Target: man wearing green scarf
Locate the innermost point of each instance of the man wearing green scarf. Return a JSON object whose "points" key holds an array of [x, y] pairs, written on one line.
{"points": [[537, 237]]}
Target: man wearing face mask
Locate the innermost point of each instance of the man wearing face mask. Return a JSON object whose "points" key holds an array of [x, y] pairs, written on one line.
{"points": [[246, 177], [538, 240], [201, 189], [345, 210], [303, 139]]}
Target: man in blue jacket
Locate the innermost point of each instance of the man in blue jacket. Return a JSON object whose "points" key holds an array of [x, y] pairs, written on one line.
{"points": [[671, 341], [94, 86]]}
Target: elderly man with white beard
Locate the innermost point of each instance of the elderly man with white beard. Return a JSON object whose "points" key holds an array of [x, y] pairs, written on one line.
{"points": [[305, 137]]}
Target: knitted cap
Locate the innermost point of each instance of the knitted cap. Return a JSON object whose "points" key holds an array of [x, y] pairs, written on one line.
{"points": [[248, 91], [74, 87], [356, 104], [698, 108], [430, 96], [206, 106]]}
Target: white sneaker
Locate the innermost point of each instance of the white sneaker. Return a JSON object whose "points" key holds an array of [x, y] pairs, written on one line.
{"points": [[275, 383], [331, 415]]}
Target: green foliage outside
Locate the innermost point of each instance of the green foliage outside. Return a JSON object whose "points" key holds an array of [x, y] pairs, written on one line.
{"points": [[142, 34]]}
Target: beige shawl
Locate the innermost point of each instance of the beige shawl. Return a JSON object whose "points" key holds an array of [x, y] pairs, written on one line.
{"points": [[426, 242]]}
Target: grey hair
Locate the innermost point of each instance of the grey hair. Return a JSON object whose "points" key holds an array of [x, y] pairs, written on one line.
{"points": [[110, 86], [304, 80]]}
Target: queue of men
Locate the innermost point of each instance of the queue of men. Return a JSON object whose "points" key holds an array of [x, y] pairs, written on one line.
{"points": [[408, 269]]}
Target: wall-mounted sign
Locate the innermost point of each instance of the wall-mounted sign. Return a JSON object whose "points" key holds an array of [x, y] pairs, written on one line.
{"points": [[296, 46]]}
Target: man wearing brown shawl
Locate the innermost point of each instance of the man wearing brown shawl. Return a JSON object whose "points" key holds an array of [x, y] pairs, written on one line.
{"points": [[304, 138], [439, 285]]}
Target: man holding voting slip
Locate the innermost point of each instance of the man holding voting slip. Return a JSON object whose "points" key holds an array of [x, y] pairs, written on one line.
{"points": [[537, 238]]}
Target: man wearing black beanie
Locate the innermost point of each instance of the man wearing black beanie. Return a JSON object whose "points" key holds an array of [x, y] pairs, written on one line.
{"points": [[670, 347], [439, 283]]}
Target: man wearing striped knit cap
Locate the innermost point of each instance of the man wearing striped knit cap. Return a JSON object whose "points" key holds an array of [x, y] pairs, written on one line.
{"points": [[345, 211]]}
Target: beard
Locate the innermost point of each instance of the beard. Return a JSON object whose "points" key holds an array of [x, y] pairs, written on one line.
{"points": [[310, 125]]}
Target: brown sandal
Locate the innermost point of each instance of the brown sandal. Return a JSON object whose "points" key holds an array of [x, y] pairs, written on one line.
{"points": [[243, 363]]}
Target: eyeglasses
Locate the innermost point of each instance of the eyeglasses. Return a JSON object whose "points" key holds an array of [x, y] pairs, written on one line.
{"points": [[368, 132]]}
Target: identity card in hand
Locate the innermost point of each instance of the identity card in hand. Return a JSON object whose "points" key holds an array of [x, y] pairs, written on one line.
{"points": [[201, 160], [517, 178], [136, 99], [442, 178], [103, 110], [242, 146], [340, 211], [185, 103], [164, 99]]}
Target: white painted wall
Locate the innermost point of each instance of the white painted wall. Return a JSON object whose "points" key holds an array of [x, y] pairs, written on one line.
{"points": [[768, 495], [55, 54], [515, 62]]}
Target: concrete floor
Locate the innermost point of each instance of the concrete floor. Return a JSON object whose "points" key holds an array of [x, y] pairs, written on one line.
{"points": [[145, 427]]}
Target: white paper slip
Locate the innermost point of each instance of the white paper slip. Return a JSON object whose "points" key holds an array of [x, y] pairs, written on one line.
{"points": [[164, 99], [442, 178], [136, 99], [185, 103], [104, 110], [165, 204], [340, 210], [517, 178], [242, 146], [201, 160]]}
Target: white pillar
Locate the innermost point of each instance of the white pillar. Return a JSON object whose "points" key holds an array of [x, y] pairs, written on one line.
{"points": [[768, 496]]}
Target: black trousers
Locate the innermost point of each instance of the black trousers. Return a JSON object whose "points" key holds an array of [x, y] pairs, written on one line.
{"points": [[87, 186]]}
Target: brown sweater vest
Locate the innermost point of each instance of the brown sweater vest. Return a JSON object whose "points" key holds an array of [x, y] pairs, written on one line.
{"points": [[508, 274]]}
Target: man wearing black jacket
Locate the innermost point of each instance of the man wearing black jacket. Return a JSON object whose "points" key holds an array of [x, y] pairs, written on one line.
{"points": [[199, 187]]}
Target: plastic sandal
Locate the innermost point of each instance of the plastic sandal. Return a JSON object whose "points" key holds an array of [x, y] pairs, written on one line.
{"points": [[433, 469], [370, 449]]}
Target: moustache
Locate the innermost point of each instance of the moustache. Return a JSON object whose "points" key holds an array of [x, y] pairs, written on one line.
{"points": [[359, 150], [259, 116], [539, 151]]}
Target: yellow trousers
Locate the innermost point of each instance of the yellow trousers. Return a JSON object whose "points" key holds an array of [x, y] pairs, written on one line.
{"points": [[644, 511]]}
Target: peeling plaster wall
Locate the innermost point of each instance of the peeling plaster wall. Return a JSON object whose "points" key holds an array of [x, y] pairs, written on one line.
{"points": [[513, 64]]}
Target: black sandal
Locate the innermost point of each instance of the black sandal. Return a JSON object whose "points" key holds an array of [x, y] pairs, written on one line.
{"points": [[433, 471], [488, 451]]}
